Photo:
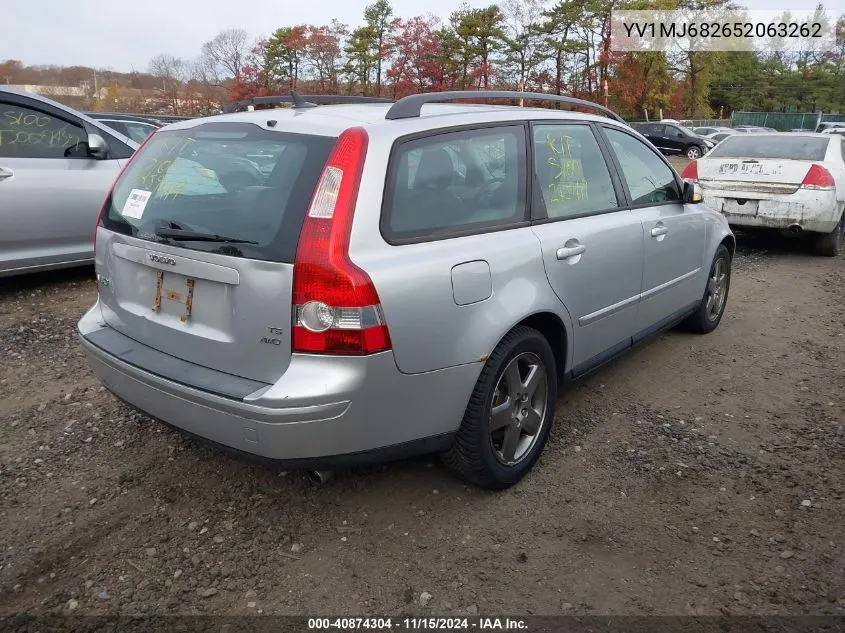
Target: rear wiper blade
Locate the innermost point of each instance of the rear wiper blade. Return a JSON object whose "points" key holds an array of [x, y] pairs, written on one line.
{"points": [[196, 236]]}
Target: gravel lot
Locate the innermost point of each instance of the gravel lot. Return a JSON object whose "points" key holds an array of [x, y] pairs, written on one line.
{"points": [[697, 475]]}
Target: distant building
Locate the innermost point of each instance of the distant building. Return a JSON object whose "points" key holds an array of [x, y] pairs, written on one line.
{"points": [[59, 91]]}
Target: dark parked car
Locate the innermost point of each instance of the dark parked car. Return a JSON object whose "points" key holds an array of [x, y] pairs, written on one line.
{"points": [[137, 128], [671, 138]]}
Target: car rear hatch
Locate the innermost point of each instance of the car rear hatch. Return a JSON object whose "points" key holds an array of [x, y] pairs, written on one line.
{"points": [[759, 166], [196, 244]]}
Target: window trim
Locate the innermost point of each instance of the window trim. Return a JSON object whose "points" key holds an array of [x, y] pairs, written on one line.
{"points": [[481, 229], [658, 132], [540, 215], [618, 167]]}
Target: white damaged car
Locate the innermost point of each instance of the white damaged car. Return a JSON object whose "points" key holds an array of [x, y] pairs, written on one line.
{"points": [[794, 182]]}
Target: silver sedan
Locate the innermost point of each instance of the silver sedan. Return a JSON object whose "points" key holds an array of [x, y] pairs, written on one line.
{"points": [[56, 167]]}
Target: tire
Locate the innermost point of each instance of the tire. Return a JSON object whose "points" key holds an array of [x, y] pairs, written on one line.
{"points": [[830, 245], [704, 320], [479, 454], [694, 152]]}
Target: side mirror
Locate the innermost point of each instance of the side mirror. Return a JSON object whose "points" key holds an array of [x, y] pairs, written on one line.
{"points": [[97, 147], [691, 196]]}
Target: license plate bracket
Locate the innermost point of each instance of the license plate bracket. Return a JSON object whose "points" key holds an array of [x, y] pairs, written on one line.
{"points": [[740, 207], [172, 295]]}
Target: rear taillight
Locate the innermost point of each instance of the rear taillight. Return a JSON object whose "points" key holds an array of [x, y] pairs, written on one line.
{"points": [[336, 307], [690, 172], [818, 178], [107, 200]]}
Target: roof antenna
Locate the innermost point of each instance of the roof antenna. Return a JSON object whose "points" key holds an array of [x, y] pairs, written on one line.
{"points": [[299, 102]]}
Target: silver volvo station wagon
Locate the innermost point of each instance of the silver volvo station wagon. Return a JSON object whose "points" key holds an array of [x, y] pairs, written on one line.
{"points": [[327, 285]]}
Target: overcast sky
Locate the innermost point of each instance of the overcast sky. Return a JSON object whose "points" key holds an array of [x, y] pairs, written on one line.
{"points": [[125, 35]]}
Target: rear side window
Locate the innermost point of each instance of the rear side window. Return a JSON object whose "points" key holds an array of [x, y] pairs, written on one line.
{"points": [[678, 132], [649, 179], [230, 179], [776, 147], [650, 129], [570, 171], [28, 133], [471, 180]]}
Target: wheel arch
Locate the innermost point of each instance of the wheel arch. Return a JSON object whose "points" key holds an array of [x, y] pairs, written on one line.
{"points": [[553, 328], [729, 241]]}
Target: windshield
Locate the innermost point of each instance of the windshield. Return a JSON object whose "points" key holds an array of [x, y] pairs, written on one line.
{"points": [[777, 147], [231, 179]]}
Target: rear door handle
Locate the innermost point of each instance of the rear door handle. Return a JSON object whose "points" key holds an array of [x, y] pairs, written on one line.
{"points": [[6, 173], [659, 230], [570, 251]]}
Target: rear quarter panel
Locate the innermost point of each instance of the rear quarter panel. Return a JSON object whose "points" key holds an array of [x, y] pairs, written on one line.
{"points": [[428, 329]]}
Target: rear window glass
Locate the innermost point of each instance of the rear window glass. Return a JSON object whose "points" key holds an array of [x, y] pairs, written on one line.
{"points": [[774, 146], [235, 180]]}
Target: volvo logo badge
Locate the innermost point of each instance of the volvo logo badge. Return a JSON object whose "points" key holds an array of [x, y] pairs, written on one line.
{"points": [[161, 259]]}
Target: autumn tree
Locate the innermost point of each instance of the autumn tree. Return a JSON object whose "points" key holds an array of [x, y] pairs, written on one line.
{"points": [[323, 53], [10, 71], [284, 53], [641, 84], [254, 78], [416, 52]]}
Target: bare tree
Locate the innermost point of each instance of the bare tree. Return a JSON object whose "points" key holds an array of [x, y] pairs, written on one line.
{"points": [[228, 51], [203, 85], [169, 72]]}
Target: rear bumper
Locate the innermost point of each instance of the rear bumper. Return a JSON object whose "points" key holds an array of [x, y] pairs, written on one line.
{"points": [[811, 210], [324, 411]]}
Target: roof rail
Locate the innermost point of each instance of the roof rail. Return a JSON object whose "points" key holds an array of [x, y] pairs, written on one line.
{"points": [[301, 101], [409, 107]]}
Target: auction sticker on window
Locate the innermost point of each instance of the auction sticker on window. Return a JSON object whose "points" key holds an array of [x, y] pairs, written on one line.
{"points": [[136, 203]]}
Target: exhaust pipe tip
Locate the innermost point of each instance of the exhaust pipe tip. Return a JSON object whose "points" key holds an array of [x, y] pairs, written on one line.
{"points": [[795, 229], [319, 477]]}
